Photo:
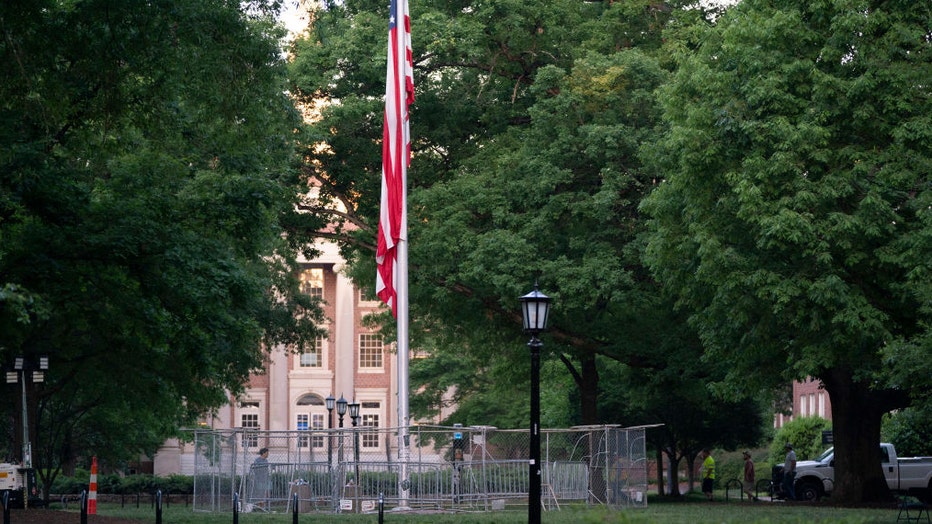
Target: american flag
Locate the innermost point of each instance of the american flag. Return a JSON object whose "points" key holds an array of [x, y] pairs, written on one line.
{"points": [[396, 153]]}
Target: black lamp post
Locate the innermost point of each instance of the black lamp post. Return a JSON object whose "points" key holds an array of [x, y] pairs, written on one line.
{"points": [[354, 414], [341, 410], [535, 307], [330, 402]]}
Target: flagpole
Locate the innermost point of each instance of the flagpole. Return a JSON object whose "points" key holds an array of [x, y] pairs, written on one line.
{"points": [[403, 352], [392, 242]]}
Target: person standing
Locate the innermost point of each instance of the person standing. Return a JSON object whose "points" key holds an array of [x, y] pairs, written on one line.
{"points": [[260, 479], [748, 483], [789, 473], [707, 472]]}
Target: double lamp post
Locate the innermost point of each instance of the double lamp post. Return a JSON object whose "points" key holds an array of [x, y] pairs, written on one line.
{"points": [[535, 307]]}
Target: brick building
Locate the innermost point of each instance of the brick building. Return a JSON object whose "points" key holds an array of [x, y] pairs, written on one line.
{"points": [[352, 361], [809, 399]]}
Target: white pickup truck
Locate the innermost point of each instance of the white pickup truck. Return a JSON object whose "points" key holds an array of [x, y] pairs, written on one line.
{"points": [[816, 478]]}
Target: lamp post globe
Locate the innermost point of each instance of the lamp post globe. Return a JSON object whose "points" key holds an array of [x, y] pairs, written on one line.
{"points": [[330, 403], [535, 310], [341, 409]]}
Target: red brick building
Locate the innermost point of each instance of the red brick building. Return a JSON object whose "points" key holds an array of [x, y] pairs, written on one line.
{"points": [[352, 361], [809, 399]]}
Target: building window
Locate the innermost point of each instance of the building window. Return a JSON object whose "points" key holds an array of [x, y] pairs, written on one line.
{"points": [[250, 422], [312, 282], [370, 350], [317, 423], [370, 435], [311, 420], [312, 356], [302, 426]]}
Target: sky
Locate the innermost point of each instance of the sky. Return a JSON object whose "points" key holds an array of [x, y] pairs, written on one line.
{"points": [[294, 17]]}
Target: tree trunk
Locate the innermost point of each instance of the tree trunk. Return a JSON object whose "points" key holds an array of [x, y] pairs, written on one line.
{"points": [[586, 378], [589, 389], [856, 413], [672, 476], [691, 471], [659, 471]]}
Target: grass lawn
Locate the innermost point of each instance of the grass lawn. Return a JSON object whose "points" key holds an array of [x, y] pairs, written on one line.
{"points": [[691, 510]]}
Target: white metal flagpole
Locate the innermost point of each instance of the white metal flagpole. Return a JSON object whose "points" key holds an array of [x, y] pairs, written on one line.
{"points": [[403, 352], [392, 248]]}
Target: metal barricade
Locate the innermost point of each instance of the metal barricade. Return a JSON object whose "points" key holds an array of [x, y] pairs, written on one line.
{"points": [[477, 468]]}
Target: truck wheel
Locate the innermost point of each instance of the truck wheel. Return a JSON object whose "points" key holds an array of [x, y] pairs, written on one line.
{"points": [[809, 490]]}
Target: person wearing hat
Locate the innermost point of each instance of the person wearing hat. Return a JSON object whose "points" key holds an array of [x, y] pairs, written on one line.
{"points": [[789, 473], [748, 483]]}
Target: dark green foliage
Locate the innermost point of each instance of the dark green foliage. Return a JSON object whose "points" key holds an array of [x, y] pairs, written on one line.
{"points": [[126, 485], [805, 434], [794, 222], [910, 432], [144, 151], [527, 128]]}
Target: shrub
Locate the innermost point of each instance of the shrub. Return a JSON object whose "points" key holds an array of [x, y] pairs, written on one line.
{"points": [[731, 466], [115, 484], [176, 484], [138, 484], [68, 485], [805, 433], [910, 431]]}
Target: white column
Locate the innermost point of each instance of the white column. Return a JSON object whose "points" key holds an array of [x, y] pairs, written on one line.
{"points": [[344, 339], [279, 404]]}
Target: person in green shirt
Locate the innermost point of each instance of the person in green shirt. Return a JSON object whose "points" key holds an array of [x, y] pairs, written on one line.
{"points": [[707, 472]]}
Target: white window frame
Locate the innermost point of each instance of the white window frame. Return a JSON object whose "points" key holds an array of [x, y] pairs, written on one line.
{"points": [[251, 428], [307, 356], [367, 342], [302, 423], [370, 421], [312, 281]]}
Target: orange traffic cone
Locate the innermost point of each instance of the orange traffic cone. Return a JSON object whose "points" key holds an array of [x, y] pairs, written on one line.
{"points": [[92, 496]]}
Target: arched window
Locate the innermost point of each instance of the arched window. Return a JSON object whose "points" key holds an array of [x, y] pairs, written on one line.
{"points": [[310, 399], [310, 417]]}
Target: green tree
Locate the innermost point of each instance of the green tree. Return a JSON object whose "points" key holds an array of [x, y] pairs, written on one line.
{"points": [[909, 430], [805, 435], [526, 127], [794, 218], [145, 152], [674, 392]]}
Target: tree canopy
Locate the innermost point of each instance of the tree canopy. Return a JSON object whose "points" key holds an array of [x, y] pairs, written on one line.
{"points": [[145, 161], [794, 219], [523, 164], [526, 129]]}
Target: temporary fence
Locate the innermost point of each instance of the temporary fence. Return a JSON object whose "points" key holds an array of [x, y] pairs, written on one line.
{"points": [[477, 468]]}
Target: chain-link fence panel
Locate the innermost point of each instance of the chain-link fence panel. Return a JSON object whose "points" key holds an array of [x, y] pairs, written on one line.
{"points": [[477, 468]]}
